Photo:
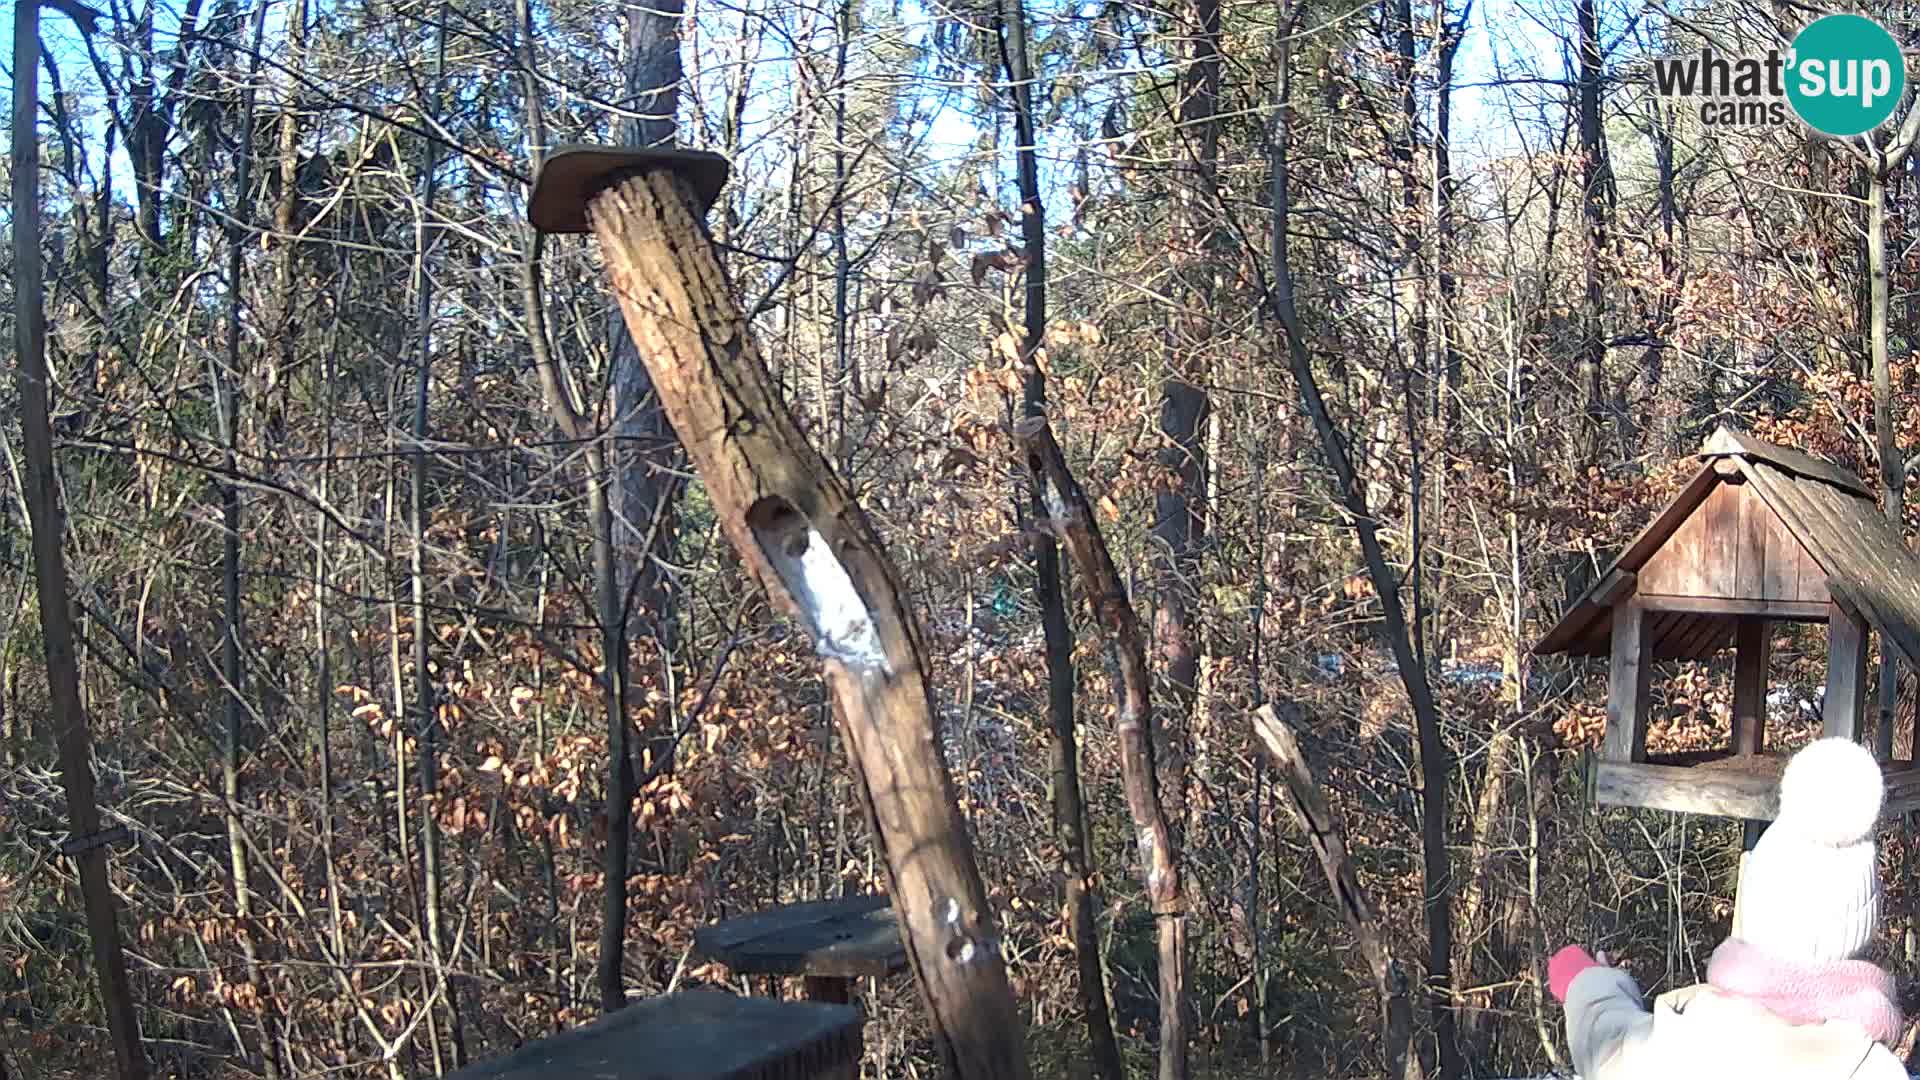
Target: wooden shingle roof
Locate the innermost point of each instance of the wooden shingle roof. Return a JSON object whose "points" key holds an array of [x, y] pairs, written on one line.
{"points": [[1830, 512]]}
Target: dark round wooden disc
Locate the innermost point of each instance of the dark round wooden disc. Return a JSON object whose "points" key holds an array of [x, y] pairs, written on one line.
{"points": [[570, 176]]}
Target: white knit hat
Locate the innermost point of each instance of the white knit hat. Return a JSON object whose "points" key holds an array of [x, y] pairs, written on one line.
{"points": [[1812, 887]]}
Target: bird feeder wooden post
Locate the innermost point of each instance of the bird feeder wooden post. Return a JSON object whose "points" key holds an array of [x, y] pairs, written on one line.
{"points": [[1760, 535], [797, 527]]}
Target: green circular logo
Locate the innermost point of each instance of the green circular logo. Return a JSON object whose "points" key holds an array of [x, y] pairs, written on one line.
{"points": [[1845, 74]]}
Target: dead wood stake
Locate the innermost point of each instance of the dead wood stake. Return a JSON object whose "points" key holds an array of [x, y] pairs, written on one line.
{"points": [[796, 525]]}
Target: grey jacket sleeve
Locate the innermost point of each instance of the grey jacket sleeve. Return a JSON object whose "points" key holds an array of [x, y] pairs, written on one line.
{"points": [[1607, 1023]]}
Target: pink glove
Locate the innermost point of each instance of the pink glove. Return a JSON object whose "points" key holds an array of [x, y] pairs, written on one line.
{"points": [[1564, 966]]}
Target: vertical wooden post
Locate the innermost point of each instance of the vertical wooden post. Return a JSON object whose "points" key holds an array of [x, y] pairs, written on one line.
{"points": [[1628, 683], [799, 530], [1846, 700], [1752, 650]]}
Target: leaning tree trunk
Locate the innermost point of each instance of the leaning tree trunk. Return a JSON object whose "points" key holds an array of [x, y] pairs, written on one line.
{"points": [[1327, 836], [42, 495], [1070, 518], [796, 526]]}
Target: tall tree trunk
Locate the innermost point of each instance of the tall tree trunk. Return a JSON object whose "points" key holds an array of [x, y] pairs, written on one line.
{"points": [[564, 403], [644, 453], [426, 698], [1435, 761], [1069, 808], [641, 492], [41, 493], [232, 663], [1180, 504], [1593, 181], [1445, 189]]}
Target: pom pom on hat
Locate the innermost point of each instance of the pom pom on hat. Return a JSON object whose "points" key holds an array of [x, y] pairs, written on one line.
{"points": [[1831, 793]]}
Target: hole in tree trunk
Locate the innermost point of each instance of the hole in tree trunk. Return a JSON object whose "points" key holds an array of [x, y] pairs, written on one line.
{"points": [[842, 626]]}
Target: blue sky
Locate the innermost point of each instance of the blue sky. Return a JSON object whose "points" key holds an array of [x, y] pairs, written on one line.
{"points": [[1501, 30]]}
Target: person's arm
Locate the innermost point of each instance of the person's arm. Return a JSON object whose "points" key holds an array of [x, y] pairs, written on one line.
{"points": [[1607, 1022]]}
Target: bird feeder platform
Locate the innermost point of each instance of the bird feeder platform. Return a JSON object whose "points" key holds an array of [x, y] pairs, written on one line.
{"points": [[698, 1035], [829, 943], [1760, 535]]}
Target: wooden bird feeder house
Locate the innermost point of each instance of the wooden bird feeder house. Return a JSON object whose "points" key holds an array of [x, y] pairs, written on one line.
{"points": [[1761, 534]]}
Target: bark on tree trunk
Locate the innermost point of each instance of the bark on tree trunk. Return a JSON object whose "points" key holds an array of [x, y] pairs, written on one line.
{"points": [[42, 496], [1593, 180], [1893, 473], [796, 526], [1070, 820], [1180, 507], [1070, 518]]}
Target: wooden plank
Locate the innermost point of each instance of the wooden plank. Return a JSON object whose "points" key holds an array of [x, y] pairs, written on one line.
{"points": [[1753, 646], [1615, 587], [1703, 635], [1903, 791], [1846, 701], [1755, 529], [854, 936], [1687, 790], [1862, 555], [697, 1035], [1811, 577], [1780, 579], [1679, 566], [1718, 635], [1787, 610], [1659, 630], [1629, 677], [1718, 565]]}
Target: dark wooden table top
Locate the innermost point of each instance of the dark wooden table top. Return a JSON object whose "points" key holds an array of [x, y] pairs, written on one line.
{"points": [[697, 1035], [847, 938]]}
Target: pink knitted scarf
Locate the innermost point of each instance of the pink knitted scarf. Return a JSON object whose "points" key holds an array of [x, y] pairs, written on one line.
{"points": [[1803, 993]]}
